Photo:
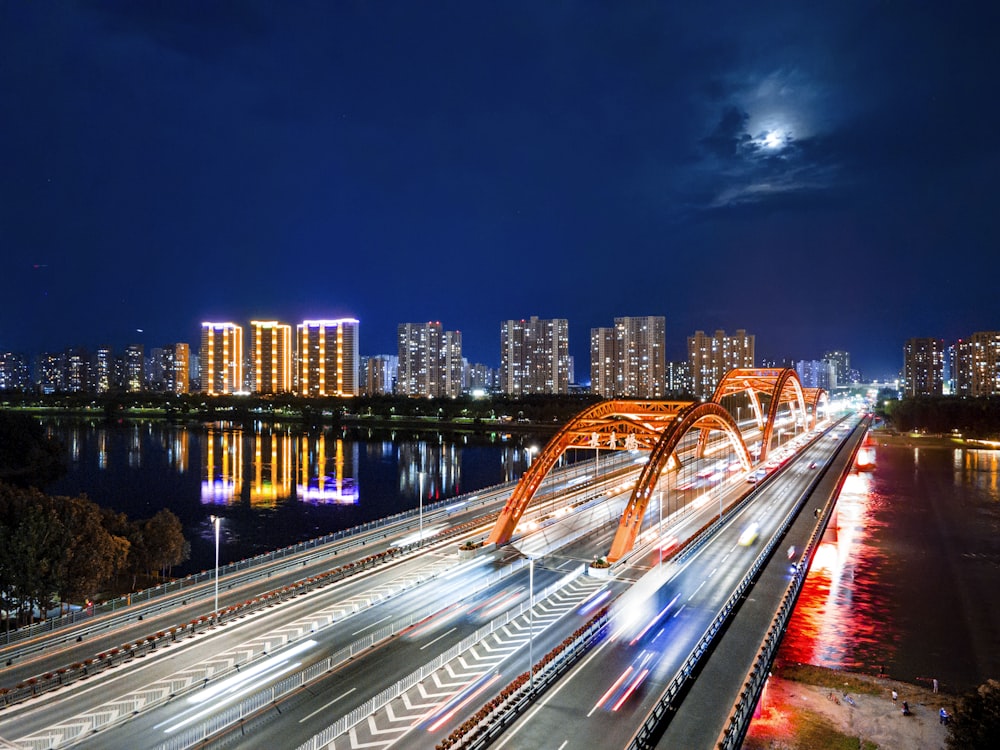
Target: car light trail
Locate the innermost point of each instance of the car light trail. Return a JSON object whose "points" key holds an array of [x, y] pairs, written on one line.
{"points": [[465, 700], [596, 599], [655, 620]]}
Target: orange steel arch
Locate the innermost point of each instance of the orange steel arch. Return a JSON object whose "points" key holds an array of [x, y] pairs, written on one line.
{"points": [[705, 417], [814, 397], [613, 425], [787, 389], [782, 384]]}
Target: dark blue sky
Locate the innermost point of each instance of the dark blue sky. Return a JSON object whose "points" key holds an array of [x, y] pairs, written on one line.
{"points": [[822, 177]]}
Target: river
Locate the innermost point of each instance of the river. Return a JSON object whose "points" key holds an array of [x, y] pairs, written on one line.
{"points": [[907, 584], [274, 485]]}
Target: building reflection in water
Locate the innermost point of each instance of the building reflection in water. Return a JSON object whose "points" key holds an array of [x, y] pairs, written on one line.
{"points": [[326, 471], [429, 470], [222, 464], [271, 468], [276, 466], [979, 469]]}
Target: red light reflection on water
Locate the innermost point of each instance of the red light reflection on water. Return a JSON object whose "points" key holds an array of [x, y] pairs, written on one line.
{"points": [[838, 620]]}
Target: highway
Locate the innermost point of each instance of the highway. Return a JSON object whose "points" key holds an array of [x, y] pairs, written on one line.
{"points": [[363, 636], [612, 690]]}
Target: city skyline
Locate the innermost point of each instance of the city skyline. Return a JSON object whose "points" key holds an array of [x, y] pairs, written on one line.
{"points": [[820, 177]]}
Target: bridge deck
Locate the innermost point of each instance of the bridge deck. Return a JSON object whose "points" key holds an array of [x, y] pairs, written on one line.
{"points": [[706, 707]]}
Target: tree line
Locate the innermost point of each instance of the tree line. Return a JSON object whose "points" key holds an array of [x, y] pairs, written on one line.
{"points": [[57, 549], [971, 417]]}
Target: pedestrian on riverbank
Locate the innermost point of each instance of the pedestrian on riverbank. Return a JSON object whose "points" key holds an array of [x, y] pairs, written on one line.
{"points": [[935, 684], [894, 696]]}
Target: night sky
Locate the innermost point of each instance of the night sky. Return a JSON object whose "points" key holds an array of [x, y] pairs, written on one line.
{"points": [[820, 174]]}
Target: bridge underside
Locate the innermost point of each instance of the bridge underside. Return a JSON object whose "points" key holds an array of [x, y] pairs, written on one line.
{"points": [[658, 427]]}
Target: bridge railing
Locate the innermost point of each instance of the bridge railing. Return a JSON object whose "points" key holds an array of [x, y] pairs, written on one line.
{"points": [[644, 738], [732, 735]]}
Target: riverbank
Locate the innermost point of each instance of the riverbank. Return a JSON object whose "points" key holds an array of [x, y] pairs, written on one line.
{"points": [[804, 708], [924, 440]]}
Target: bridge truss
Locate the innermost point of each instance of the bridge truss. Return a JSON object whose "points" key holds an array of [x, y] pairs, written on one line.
{"points": [[658, 427]]}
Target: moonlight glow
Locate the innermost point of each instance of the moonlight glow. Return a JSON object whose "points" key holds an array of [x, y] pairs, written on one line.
{"points": [[773, 139]]}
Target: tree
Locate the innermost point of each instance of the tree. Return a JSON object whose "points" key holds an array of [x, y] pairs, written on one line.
{"points": [[93, 554], [163, 543], [28, 457], [976, 723]]}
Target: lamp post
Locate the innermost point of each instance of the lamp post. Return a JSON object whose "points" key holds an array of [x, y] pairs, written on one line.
{"points": [[659, 530], [216, 520], [531, 625]]}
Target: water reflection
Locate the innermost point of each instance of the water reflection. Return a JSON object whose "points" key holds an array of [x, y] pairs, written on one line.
{"points": [[267, 466], [898, 583]]}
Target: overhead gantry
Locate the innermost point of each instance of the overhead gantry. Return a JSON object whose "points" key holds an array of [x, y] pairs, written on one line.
{"points": [[659, 427]]}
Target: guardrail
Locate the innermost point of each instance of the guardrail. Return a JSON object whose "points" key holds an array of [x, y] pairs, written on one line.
{"points": [[194, 580], [324, 738], [644, 738], [732, 735], [493, 719]]}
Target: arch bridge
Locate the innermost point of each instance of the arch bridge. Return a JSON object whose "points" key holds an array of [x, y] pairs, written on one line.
{"points": [[659, 428]]}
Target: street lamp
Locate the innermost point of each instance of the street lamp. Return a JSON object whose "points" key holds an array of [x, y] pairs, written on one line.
{"points": [[659, 530], [531, 625], [216, 520]]}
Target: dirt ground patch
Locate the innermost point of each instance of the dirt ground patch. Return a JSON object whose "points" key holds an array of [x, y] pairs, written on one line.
{"points": [[798, 715]]}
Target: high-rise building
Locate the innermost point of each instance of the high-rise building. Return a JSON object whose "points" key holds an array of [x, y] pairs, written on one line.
{"points": [[77, 376], [976, 364], [604, 370], [380, 374], [534, 356], [327, 356], [221, 358], [452, 364], [841, 361], [15, 374], [104, 370], [629, 360], [679, 377], [430, 360], [923, 367], [480, 377], [170, 368], [816, 373], [711, 357], [50, 372], [135, 368], [270, 357], [419, 351]]}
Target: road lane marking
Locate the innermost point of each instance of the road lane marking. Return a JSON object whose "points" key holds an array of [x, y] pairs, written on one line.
{"points": [[323, 708], [372, 625], [438, 638]]}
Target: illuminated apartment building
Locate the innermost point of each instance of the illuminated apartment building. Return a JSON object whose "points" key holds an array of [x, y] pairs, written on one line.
{"points": [[534, 356], [976, 365], [923, 367], [169, 368], [629, 360], [221, 358], [271, 356], [327, 357], [429, 360], [711, 357], [15, 374], [135, 368]]}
